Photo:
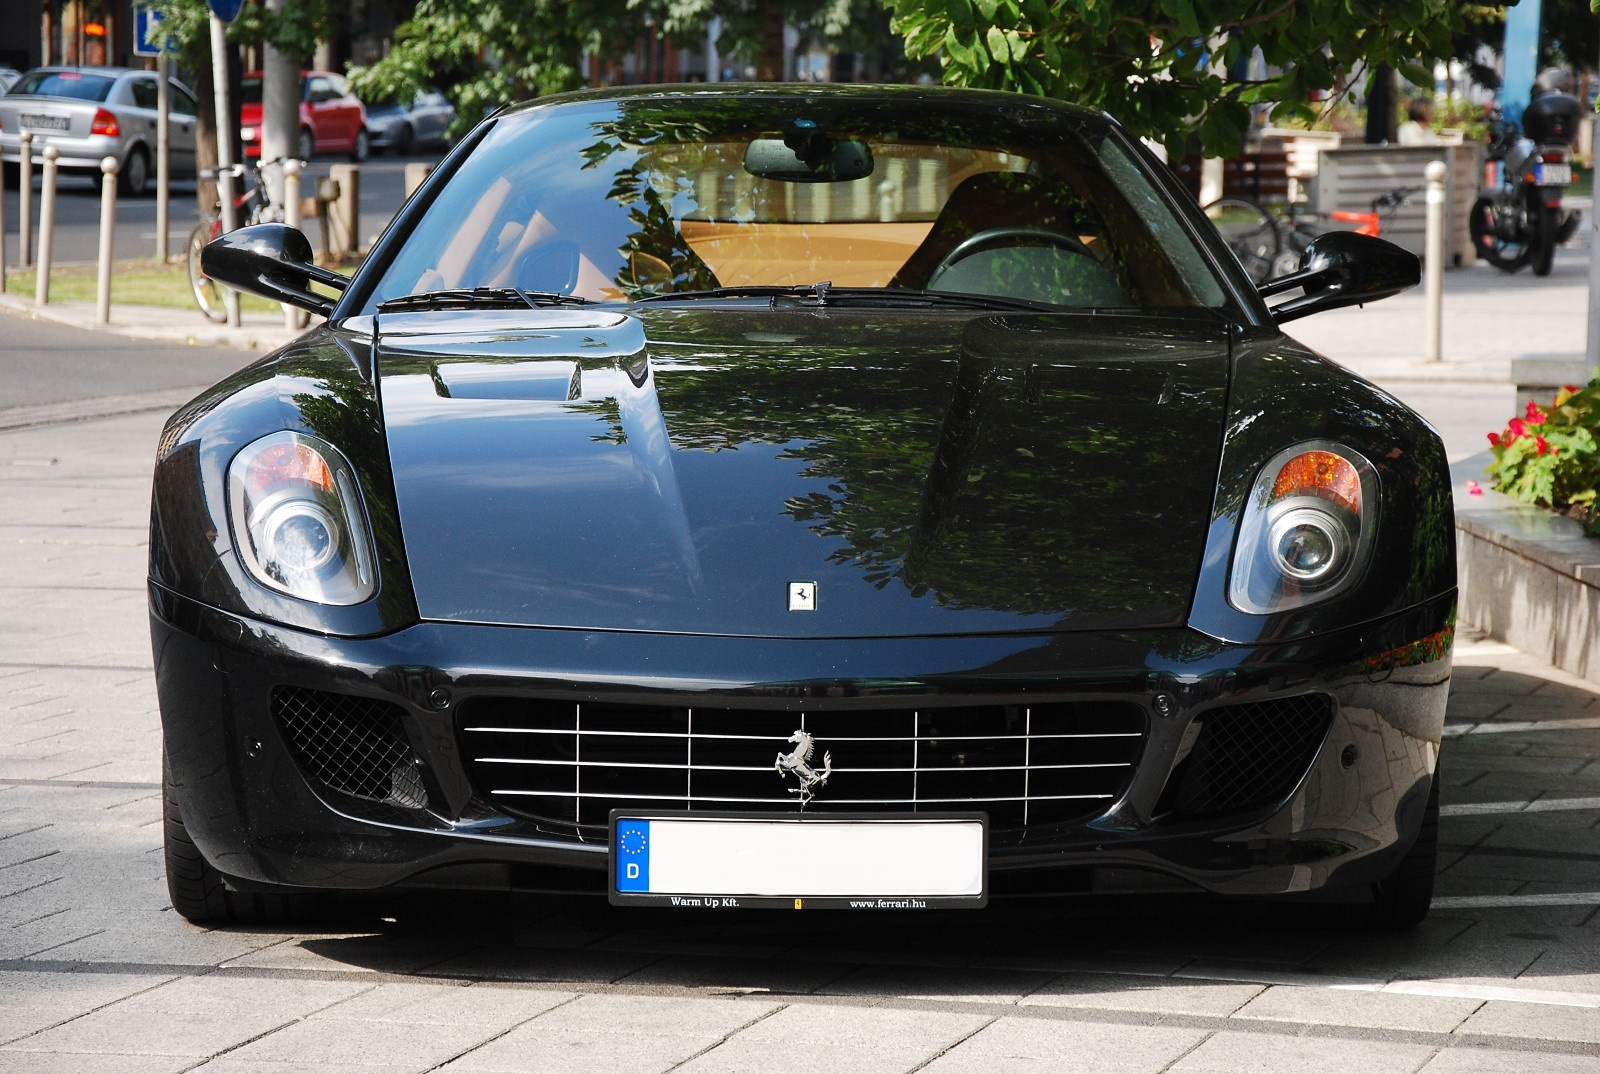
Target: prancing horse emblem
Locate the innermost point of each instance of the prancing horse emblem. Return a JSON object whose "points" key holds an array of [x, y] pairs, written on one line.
{"points": [[798, 761]]}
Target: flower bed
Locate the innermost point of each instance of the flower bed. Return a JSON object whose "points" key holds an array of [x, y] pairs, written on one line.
{"points": [[1551, 455]]}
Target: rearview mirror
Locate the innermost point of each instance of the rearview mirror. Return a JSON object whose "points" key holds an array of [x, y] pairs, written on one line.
{"points": [[1342, 268], [812, 157], [273, 261]]}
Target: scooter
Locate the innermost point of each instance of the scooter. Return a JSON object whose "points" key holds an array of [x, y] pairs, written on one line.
{"points": [[1518, 219]]}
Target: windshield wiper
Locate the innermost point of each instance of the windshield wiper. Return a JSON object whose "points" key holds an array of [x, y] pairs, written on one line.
{"points": [[817, 293], [480, 298]]}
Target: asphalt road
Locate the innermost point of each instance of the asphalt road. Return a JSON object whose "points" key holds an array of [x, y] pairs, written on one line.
{"points": [[78, 211], [98, 975]]}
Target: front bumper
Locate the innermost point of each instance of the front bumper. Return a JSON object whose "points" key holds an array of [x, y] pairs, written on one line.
{"points": [[1350, 810]]}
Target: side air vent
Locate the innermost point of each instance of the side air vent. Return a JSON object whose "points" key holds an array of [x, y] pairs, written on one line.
{"points": [[353, 745], [1247, 756]]}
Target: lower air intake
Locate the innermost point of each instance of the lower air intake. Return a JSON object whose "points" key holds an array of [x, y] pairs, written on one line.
{"points": [[353, 745], [1248, 756]]}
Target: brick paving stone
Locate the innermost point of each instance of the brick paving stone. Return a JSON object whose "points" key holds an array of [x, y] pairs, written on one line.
{"points": [[1163, 995], [1496, 1061], [525, 1051], [741, 1056], [1348, 1007], [1270, 1053], [727, 974], [878, 1028], [967, 985], [1084, 1045], [345, 1043], [429, 1004], [98, 1063], [1535, 1022]]}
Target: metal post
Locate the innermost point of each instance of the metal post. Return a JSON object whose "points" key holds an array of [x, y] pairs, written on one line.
{"points": [[163, 156], [291, 216], [47, 226], [225, 135], [1592, 350], [108, 230], [1433, 247], [25, 201]]}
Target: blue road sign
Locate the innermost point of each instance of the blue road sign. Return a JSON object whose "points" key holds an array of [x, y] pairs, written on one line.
{"points": [[226, 10], [146, 28]]}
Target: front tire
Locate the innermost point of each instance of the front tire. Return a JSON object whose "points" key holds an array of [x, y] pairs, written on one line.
{"points": [[363, 147], [1488, 244], [199, 891], [308, 145]]}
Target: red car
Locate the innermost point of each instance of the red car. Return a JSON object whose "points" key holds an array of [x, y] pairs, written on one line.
{"points": [[332, 119]]}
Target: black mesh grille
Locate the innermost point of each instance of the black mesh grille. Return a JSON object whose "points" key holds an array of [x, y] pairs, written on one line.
{"points": [[353, 745], [1248, 755], [568, 763]]}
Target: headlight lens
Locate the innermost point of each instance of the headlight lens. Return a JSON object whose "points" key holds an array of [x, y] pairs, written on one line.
{"points": [[1307, 529], [298, 520]]}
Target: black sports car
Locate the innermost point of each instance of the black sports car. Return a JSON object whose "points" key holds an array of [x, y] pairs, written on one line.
{"points": [[812, 496]]}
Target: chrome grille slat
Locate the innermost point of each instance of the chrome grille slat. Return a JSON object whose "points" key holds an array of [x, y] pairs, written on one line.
{"points": [[566, 763]]}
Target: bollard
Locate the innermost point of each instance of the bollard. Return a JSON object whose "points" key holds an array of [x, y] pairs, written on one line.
{"points": [[291, 216], [47, 226], [108, 230], [2, 230], [1433, 260], [25, 201], [416, 172]]}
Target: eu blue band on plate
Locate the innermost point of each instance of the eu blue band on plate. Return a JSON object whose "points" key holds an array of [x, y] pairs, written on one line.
{"points": [[632, 855]]}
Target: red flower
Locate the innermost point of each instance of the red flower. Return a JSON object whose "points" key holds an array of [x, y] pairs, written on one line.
{"points": [[1535, 415], [1494, 439], [1516, 428], [1539, 442]]}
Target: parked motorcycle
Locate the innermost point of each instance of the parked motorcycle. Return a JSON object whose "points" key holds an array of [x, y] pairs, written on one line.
{"points": [[1518, 219]]}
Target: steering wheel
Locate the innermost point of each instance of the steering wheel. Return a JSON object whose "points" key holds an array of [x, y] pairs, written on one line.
{"points": [[1017, 235]]}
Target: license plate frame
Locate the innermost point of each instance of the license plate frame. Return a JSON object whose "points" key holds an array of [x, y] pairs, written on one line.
{"points": [[1552, 174], [41, 122], [848, 861]]}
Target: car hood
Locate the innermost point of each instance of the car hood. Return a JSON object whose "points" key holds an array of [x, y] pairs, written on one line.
{"points": [[803, 473]]}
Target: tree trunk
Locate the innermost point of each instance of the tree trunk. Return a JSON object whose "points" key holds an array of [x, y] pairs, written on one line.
{"points": [[769, 65]]}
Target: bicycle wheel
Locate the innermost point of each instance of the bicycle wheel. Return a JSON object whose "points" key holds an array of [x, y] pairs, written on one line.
{"points": [[207, 295], [1250, 233]]}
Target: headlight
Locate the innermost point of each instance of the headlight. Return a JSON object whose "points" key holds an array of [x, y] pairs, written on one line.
{"points": [[298, 521], [1307, 529]]}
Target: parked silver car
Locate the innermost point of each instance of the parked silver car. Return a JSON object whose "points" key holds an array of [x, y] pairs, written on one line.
{"points": [[89, 113], [420, 123]]}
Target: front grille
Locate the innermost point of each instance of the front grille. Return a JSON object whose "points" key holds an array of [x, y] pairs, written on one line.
{"points": [[571, 764], [353, 745], [1249, 755]]}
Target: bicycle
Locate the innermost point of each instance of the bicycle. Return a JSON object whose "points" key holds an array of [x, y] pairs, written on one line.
{"points": [[1270, 245], [252, 205]]}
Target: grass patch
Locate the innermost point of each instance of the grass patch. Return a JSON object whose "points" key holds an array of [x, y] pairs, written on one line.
{"points": [[136, 282]]}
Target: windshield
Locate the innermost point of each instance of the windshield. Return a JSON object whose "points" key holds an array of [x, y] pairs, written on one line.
{"points": [[650, 196]]}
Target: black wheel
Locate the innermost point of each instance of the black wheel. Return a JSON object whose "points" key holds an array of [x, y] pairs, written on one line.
{"points": [[308, 144], [207, 295], [134, 177], [1489, 239], [363, 147], [1250, 233], [199, 892], [1401, 900], [1546, 222]]}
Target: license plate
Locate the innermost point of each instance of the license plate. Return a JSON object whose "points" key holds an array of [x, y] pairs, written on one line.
{"points": [[45, 123], [837, 861], [1552, 174]]}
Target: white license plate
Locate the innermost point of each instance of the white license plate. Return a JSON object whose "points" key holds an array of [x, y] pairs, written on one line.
{"points": [[836, 861], [45, 123], [1552, 174]]}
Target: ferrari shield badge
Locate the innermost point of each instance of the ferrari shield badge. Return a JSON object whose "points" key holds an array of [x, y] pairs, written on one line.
{"points": [[802, 596], [797, 762]]}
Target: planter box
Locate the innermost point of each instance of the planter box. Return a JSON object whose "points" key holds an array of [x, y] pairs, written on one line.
{"points": [[1350, 177]]}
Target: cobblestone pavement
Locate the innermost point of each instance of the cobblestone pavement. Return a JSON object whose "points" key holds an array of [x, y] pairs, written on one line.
{"points": [[97, 974]]}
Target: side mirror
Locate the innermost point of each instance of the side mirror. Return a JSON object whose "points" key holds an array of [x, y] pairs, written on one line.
{"points": [[273, 261], [1342, 268]]}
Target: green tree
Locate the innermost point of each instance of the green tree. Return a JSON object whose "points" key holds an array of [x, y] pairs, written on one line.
{"points": [[1169, 68]]}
